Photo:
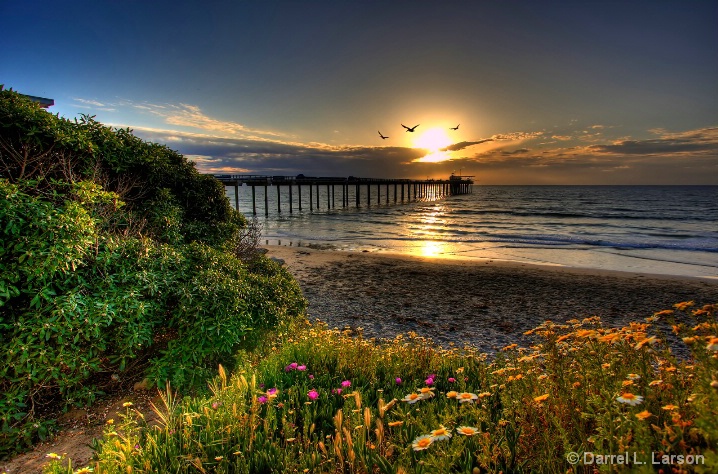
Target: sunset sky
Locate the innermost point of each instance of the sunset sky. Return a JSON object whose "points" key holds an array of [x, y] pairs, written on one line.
{"points": [[565, 92]]}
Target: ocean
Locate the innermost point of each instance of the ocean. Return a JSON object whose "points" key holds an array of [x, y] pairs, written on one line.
{"points": [[670, 230]]}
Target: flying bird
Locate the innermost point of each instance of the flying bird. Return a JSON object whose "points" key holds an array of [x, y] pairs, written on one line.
{"points": [[455, 128], [382, 136], [410, 129]]}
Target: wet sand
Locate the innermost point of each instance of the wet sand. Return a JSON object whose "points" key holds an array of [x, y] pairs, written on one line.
{"points": [[485, 303]]}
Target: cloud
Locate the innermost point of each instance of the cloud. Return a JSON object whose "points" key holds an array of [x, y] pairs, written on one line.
{"points": [[701, 141], [462, 145], [513, 137], [88, 102]]}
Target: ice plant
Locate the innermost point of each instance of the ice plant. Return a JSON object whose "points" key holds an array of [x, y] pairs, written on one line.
{"points": [[630, 399], [302, 368], [422, 442], [313, 394], [467, 430], [262, 399], [397, 380], [346, 384]]}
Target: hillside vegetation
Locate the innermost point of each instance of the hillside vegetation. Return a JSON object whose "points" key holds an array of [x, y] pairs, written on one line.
{"points": [[118, 260]]}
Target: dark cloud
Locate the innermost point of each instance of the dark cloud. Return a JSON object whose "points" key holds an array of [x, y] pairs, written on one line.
{"points": [[462, 145], [698, 141]]}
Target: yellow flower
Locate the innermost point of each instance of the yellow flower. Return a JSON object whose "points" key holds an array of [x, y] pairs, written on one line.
{"points": [[542, 376], [633, 377], [422, 442], [467, 397], [412, 398], [630, 399], [53, 456], [127, 404], [689, 340], [460, 370], [606, 365], [110, 421], [683, 305], [669, 407], [643, 415], [84, 470], [440, 434], [646, 341], [427, 392], [218, 458], [467, 430], [452, 394], [712, 344], [626, 383], [484, 394], [655, 382], [541, 398]]}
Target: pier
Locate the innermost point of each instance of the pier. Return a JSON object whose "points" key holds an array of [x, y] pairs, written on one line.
{"points": [[404, 190]]}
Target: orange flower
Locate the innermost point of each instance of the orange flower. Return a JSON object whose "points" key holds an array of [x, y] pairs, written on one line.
{"points": [[643, 415], [541, 398]]}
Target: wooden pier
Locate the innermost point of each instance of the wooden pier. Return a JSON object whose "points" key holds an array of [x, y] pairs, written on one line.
{"points": [[404, 190]]}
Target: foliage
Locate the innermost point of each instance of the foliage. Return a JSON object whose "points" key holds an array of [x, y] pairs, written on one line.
{"points": [[117, 260], [308, 406], [159, 185]]}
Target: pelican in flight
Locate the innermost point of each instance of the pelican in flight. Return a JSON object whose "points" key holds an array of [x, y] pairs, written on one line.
{"points": [[382, 136], [410, 129], [455, 128]]}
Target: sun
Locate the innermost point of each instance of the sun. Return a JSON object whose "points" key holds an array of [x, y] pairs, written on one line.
{"points": [[433, 139]]}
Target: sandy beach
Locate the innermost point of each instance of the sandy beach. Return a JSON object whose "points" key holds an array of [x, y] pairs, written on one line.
{"points": [[485, 303]]}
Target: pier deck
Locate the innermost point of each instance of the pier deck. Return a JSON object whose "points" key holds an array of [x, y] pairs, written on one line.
{"points": [[405, 190]]}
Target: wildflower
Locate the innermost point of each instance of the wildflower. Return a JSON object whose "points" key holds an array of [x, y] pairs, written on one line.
{"points": [[313, 394], [440, 434], [262, 399], [646, 341], [302, 368], [452, 380], [422, 442], [669, 407], [337, 391], [346, 383], [655, 383], [215, 405], [53, 456], [218, 458], [467, 430], [683, 305], [110, 421], [689, 340], [563, 338], [541, 398], [452, 394], [397, 380], [626, 383], [272, 392], [412, 398], [429, 381], [311, 377], [643, 415], [395, 423], [467, 397], [630, 399], [459, 370], [84, 470], [712, 344], [127, 404], [484, 394], [542, 376], [426, 392], [633, 377]]}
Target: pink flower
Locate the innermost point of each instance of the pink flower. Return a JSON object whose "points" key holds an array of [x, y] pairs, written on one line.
{"points": [[337, 391], [262, 399], [293, 366], [313, 394], [311, 377], [429, 381], [452, 379], [272, 391], [302, 367], [398, 380], [346, 384]]}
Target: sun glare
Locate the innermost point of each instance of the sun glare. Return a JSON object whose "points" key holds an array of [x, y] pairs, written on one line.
{"points": [[433, 139]]}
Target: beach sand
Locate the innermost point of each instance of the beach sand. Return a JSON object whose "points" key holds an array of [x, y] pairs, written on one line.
{"points": [[485, 303]]}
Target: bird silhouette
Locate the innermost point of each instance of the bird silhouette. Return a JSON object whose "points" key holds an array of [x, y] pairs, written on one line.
{"points": [[382, 136], [455, 128], [410, 129]]}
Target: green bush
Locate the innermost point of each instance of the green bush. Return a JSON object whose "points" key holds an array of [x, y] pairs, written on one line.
{"points": [[117, 260]]}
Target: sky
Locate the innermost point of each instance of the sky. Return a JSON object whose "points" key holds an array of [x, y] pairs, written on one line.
{"points": [[542, 92]]}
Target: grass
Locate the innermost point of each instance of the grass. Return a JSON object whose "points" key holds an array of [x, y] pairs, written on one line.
{"points": [[321, 400]]}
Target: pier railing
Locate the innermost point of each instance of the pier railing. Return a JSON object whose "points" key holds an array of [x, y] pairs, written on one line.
{"points": [[405, 190]]}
